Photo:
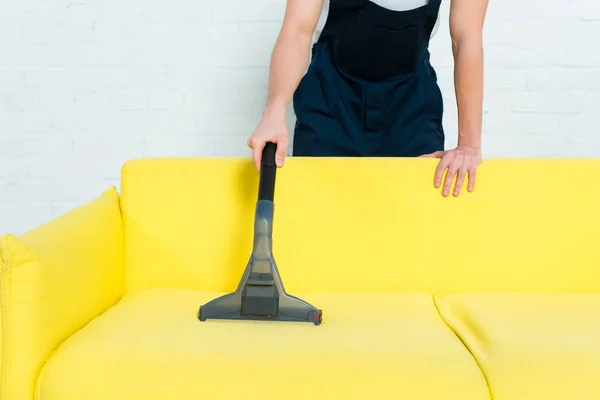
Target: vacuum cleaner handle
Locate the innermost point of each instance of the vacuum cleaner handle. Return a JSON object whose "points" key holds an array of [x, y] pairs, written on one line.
{"points": [[268, 170]]}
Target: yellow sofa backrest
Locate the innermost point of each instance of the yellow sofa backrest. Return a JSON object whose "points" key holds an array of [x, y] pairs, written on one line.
{"points": [[363, 224]]}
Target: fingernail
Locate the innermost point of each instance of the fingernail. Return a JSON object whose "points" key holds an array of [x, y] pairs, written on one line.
{"points": [[279, 162], [437, 183]]}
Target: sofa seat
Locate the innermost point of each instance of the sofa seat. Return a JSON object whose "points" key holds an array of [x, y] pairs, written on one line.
{"points": [[531, 346], [150, 345]]}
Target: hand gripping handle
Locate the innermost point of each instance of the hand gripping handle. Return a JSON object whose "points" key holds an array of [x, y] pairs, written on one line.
{"points": [[268, 170]]}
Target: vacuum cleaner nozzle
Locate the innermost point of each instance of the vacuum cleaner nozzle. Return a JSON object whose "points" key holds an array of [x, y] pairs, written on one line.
{"points": [[260, 295]]}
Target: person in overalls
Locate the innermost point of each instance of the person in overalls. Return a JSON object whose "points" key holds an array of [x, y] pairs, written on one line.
{"points": [[370, 89]]}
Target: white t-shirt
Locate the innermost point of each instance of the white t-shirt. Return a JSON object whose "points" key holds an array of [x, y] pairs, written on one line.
{"points": [[396, 5]]}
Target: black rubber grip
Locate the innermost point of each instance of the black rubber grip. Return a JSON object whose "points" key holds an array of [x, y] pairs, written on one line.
{"points": [[268, 155], [268, 170]]}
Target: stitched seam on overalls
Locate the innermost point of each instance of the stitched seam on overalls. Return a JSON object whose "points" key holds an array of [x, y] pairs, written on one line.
{"points": [[403, 30], [5, 268]]}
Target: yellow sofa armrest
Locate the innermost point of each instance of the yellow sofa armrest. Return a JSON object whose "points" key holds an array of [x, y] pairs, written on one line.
{"points": [[54, 279]]}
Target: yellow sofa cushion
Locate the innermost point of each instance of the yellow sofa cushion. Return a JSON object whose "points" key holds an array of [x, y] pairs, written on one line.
{"points": [[370, 346], [361, 224], [531, 346]]}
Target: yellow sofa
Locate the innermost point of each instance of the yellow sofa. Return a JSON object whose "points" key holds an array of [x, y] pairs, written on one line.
{"points": [[491, 295]]}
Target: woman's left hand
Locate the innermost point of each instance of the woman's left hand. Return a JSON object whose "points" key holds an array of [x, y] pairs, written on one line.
{"points": [[459, 162]]}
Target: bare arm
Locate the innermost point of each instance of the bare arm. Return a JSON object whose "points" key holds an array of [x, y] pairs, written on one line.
{"points": [[291, 52], [288, 63], [466, 30], [466, 26]]}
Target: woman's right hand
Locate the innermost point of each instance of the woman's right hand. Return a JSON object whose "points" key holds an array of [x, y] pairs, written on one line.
{"points": [[272, 128]]}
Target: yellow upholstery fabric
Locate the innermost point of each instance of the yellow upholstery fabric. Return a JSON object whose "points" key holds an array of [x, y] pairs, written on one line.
{"points": [[54, 279], [360, 224], [531, 346], [514, 268], [370, 346]]}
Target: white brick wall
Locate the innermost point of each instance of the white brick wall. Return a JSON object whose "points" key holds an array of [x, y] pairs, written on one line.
{"points": [[84, 86]]}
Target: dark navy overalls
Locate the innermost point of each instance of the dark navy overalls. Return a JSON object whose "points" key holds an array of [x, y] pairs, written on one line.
{"points": [[370, 89]]}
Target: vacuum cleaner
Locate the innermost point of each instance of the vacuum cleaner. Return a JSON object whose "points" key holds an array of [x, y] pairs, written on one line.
{"points": [[260, 295]]}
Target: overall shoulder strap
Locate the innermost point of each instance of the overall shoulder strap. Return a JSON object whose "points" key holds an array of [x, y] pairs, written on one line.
{"points": [[433, 8]]}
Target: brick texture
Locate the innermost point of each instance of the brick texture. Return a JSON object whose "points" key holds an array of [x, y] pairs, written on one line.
{"points": [[84, 86]]}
